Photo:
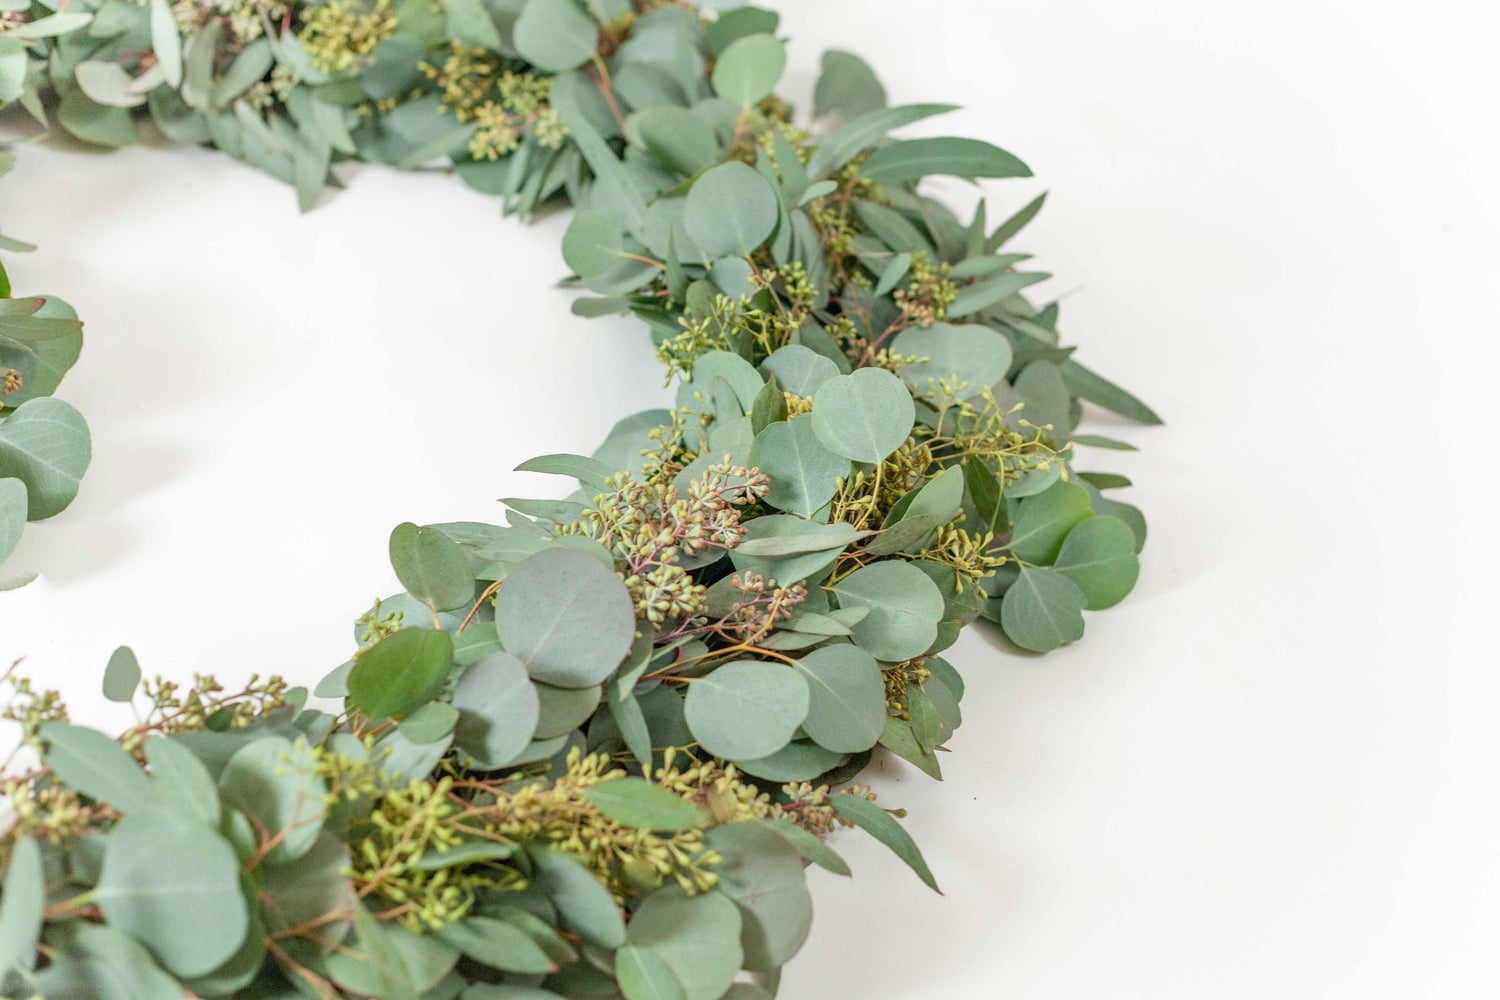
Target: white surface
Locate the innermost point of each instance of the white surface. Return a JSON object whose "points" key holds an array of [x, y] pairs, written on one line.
{"points": [[1271, 772]]}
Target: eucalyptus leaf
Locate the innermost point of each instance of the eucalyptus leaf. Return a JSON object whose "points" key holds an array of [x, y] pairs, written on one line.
{"points": [[566, 617], [45, 444], [431, 567], [746, 709], [905, 608], [879, 824], [1099, 556], [400, 673], [730, 211], [94, 765], [1042, 610], [864, 415], [555, 35], [122, 675], [748, 70]]}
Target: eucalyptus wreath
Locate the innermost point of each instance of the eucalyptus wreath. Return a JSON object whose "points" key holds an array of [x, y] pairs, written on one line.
{"points": [[588, 752]]}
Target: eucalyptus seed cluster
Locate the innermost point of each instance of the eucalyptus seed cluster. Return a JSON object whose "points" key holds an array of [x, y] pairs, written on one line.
{"points": [[245, 19], [930, 292], [407, 825], [898, 678], [762, 605], [628, 860], [729, 798], [650, 527], [338, 33]]}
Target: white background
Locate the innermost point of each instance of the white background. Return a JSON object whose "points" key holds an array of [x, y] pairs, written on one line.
{"points": [[1270, 772]]}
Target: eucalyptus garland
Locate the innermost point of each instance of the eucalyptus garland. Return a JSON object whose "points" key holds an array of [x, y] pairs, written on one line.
{"points": [[590, 751]]}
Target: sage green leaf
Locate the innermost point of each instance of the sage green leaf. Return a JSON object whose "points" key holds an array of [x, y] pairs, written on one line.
{"points": [[555, 35], [892, 273], [809, 536], [731, 210], [926, 727], [276, 783], [785, 569], [99, 962], [95, 765], [984, 490], [569, 619], [1014, 224], [732, 25], [1099, 556], [45, 444], [769, 408], [808, 844], [677, 138], [585, 905], [804, 473], [762, 873], [250, 66], [1044, 520], [498, 709], [564, 709], [846, 86], [698, 937], [985, 293], [507, 991], [180, 781], [189, 912], [883, 827], [431, 566], [311, 887], [864, 415], [469, 21], [860, 132], [122, 675], [749, 69], [51, 25], [971, 353], [432, 722], [1086, 384], [593, 243], [639, 803], [498, 945], [21, 905], [1100, 441], [943, 495], [107, 83], [799, 760], [907, 534], [746, 709], [1042, 610], [914, 159], [800, 370], [12, 515], [401, 672], [733, 369], [1048, 402], [846, 711], [905, 609], [166, 42], [644, 974]]}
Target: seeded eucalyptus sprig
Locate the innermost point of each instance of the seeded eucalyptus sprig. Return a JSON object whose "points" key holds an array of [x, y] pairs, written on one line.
{"points": [[587, 752]]}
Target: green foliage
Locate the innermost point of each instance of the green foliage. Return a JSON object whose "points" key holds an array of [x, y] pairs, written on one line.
{"points": [[585, 753]]}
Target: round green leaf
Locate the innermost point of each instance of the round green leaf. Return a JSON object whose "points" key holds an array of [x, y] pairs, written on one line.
{"points": [[799, 760], [905, 609], [276, 783], [431, 566], [746, 709], [566, 617], [762, 873], [122, 675], [45, 444], [312, 886], [677, 138], [847, 710], [730, 211], [644, 974], [971, 353], [1042, 610], [498, 709], [749, 69], [564, 709], [593, 243], [1099, 556], [804, 473], [864, 415], [585, 905], [1044, 520], [401, 672], [431, 722], [175, 886], [800, 370], [698, 937], [12, 515], [93, 764], [179, 780], [639, 803], [556, 35]]}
